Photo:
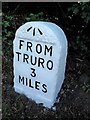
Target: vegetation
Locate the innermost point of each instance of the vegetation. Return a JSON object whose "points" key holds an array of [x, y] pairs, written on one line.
{"points": [[74, 19], [86, 88]]}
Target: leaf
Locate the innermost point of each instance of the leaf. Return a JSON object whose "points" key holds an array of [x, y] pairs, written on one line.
{"points": [[76, 10]]}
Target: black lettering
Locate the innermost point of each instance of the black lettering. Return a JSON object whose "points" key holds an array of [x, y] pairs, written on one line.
{"points": [[45, 88], [37, 85], [29, 46], [41, 62], [33, 72], [21, 79], [48, 50], [25, 58], [20, 44], [34, 32], [40, 31], [18, 55], [26, 81], [35, 61], [30, 83], [29, 29], [38, 48], [48, 66]]}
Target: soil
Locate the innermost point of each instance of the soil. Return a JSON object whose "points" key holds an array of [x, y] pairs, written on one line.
{"points": [[73, 101]]}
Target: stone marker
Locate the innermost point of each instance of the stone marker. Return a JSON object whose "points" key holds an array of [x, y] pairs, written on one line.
{"points": [[40, 51]]}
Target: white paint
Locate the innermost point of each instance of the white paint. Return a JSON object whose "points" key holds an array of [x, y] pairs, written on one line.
{"points": [[48, 80]]}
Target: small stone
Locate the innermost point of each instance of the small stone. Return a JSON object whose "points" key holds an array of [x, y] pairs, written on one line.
{"points": [[84, 79], [54, 108]]}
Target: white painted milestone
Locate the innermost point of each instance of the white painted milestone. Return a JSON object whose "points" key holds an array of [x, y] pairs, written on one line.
{"points": [[40, 51]]}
